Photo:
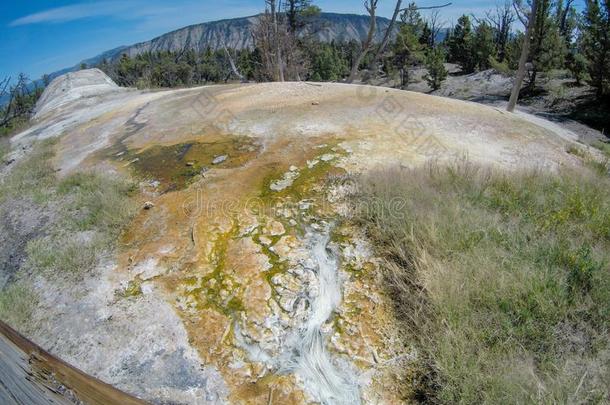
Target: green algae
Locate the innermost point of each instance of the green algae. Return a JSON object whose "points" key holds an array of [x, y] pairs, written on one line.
{"points": [[308, 177], [176, 166], [208, 288], [133, 289]]}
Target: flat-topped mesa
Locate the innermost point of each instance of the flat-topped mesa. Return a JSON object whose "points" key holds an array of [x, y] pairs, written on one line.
{"points": [[71, 87]]}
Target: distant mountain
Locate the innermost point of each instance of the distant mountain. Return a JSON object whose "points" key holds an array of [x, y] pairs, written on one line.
{"points": [[236, 33]]}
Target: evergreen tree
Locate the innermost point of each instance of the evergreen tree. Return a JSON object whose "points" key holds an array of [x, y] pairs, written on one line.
{"points": [[407, 48], [596, 45], [548, 48], [436, 69], [577, 64], [483, 46], [513, 51], [461, 45], [426, 38], [327, 64]]}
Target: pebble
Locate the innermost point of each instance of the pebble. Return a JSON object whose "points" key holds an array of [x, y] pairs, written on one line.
{"points": [[264, 240], [148, 205], [219, 159]]}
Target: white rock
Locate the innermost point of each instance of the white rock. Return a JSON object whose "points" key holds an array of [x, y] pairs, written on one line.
{"points": [[219, 159]]}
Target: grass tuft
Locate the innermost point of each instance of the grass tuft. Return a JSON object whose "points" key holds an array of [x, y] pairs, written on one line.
{"points": [[84, 214], [95, 209], [17, 301]]}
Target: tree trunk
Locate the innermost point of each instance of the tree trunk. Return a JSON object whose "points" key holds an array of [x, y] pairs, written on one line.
{"points": [[386, 36], [278, 50], [366, 45], [232, 63], [525, 50]]}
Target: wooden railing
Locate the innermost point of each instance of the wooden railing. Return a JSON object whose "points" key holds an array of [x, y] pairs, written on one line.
{"points": [[31, 376]]}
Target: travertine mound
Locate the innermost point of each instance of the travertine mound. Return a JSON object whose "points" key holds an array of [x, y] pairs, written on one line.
{"points": [[236, 282], [73, 86]]}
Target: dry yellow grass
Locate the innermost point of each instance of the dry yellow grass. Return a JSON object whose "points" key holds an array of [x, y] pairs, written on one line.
{"points": [[501, 280]]}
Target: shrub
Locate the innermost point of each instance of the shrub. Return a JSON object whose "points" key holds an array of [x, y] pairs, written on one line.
{"points": [[32, 177], [500, 67]]}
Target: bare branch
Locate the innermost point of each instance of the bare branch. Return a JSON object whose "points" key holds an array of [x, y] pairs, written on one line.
{"points": [[435, 24], [386, 36], [371, 6], [231, 61], [525, 49], [521, 14], [429, 7], [4, 85]]}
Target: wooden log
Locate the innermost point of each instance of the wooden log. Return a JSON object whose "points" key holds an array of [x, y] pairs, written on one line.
{"points": [[30, 375]]}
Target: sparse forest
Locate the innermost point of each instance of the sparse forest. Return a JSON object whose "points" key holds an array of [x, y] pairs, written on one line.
{"points": [[20, 99], [562, 39]]}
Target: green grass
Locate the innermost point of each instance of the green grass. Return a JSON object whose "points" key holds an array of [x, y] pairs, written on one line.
{"points": [[88, 211], [604, 147], [501, 280], [33, 177], [17, 301], [94, 210], [97, 202], [5, 147]]}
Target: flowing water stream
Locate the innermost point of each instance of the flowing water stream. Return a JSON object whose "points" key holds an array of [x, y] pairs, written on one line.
{"points": [[309, 359], [328, 381]]}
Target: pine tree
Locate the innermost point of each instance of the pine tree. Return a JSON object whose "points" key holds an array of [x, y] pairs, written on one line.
{"points": [[596, 45], [436, 69], [484, 47], [408, 50], [548, 48], [425, 37], [461, 45], [577, 64]]}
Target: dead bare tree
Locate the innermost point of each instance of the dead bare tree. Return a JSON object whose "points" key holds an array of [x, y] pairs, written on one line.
{"points": [[234, 68], [563, 13], [276, 36], [390, 29], [265, 41], [371, 8], [15, 106], [501, 19], [386, 36], [529, 21], [4, 86], [6, 93], [435, 24]]}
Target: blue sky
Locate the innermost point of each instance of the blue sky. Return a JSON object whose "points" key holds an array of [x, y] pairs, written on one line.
{"points": [[42, 36]]}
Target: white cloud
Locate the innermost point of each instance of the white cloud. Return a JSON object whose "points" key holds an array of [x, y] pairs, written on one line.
{"points": [[71, 13], [148, 15]]}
